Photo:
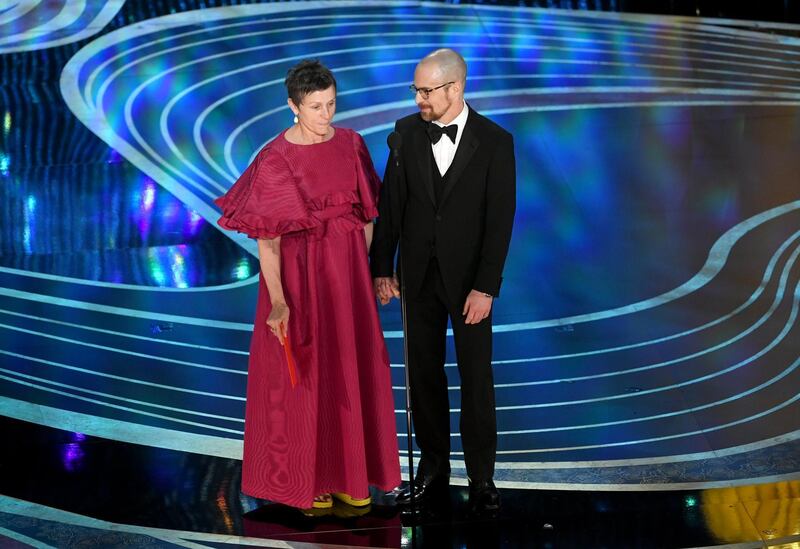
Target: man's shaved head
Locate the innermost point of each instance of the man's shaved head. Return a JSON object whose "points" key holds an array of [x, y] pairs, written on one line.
{"points": [[449, 65], [439, 81]]}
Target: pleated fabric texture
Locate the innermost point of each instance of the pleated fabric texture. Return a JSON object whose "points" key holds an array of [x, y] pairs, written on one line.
{"points": [[335, 431]]}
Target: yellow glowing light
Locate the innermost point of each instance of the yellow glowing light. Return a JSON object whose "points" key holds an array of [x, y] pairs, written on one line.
{"points": [[739, 514]]}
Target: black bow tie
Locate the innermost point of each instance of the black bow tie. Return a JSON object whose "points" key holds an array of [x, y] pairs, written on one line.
{"points": [[435, 132]]}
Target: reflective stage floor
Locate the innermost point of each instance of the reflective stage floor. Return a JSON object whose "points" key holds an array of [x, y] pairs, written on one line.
{"points": [[65, 490], [646, 341]]}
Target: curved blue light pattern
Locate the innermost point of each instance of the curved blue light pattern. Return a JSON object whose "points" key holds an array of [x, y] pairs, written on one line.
{"points": [[638, 147], [39, 24]]}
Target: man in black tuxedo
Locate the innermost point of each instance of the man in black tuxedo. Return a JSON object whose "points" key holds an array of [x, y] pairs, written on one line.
{"points": [[449, 197]]}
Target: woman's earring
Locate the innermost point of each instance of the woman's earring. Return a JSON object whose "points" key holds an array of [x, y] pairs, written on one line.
{"points": [[295, 119]]}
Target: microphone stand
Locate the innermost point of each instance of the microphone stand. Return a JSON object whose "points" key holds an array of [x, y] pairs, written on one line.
{"points": [[404, 316], [395, 142]]}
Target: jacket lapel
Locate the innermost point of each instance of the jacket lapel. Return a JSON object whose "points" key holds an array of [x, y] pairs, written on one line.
{"points": [[422, 150], [466, 148]]}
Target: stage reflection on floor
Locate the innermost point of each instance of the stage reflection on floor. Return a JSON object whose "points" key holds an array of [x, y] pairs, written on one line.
{"points": [[647, 330], [69, 490]]}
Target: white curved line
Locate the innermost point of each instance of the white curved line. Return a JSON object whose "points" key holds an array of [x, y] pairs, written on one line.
{"points": [[120, 378], [70, 12], [739, 309], [710, 23], [141, 29], [117, 429], [426, 21], [513, 361], [46, 381], [729, 424], [118, 407], [123, 334], [790, 99], [104, 16], [396, 105], [787, 268], [668, 437], [125, 311], [714, 263], [753, 297], [197, 131], [772, 344], [789, 325], [137, 136], [794, 97], [121, 286], [18, 10], [716, 259], [233, 170], [24, 541], [693, 409], [100, 127], [178, 189], [96, 48], [128, 109], [202, 174], [123, 351], [230, 448]]}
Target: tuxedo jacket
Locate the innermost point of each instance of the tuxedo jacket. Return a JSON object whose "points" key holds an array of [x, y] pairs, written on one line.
{"points": [[468, 230]]}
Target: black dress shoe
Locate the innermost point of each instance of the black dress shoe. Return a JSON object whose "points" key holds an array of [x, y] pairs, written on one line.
{"points": [[425, 489], [484, 499]]}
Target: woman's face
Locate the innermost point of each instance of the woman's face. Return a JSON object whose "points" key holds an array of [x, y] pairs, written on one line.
{"points": [[316, 110]]}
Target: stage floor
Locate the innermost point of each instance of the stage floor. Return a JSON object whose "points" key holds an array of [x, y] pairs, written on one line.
{"points": [[646, 338], [64, 490]]}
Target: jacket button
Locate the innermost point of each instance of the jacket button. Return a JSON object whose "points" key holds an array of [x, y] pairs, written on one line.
{"points": [[438, 218]]}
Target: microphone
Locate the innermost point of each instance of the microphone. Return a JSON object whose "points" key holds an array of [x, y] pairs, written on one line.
{"points": [[395, 142]]}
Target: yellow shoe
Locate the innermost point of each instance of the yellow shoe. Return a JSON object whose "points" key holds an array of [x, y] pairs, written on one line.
{"points": [[348, 511], [322, 501], [346, 498]]}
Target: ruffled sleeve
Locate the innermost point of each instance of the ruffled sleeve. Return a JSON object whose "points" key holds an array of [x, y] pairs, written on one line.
{"points": [[265, 201], [367, 180]]}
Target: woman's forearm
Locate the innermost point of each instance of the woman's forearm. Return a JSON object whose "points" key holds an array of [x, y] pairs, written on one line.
{"points": [[368, 230], [269, 258]]}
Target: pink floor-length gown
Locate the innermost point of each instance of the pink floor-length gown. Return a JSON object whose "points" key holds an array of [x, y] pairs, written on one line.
{"points": [[335, 431]]}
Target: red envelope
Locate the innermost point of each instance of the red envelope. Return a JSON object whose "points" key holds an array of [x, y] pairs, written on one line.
{"points": [[290, 361]]}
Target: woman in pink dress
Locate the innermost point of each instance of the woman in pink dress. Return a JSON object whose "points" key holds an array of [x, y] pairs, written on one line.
{"points": [[319, 421]]}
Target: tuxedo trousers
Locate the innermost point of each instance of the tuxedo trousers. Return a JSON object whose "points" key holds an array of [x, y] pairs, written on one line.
{"points": [[427, 314]]}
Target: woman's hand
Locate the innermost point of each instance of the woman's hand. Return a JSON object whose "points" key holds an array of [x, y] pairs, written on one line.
{"points": [[278, 321], [386, 287]]}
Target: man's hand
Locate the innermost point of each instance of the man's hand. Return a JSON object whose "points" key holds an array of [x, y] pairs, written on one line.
{"points": [[477, 307], [386, 287]]}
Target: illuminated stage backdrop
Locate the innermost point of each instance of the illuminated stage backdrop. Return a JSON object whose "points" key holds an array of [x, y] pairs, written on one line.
{"points": [[647, 329], [37, 24]]}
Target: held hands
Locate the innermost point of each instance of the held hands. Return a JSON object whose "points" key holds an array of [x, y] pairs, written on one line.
{"points": [[278, 321], [386, 287], [477, 307]]}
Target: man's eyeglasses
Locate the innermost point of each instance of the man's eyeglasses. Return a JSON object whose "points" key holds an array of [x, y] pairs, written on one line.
{"points": [[425, 92]]}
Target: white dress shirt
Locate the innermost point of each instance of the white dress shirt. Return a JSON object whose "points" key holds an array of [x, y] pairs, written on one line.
{"points": [[445, 150]]}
